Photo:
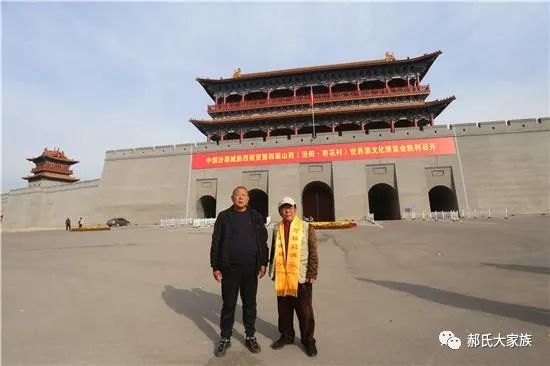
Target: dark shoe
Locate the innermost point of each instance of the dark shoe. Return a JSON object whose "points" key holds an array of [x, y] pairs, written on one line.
{"points": [[311, 349], [280, 343], [224, 344], [252, 344]]}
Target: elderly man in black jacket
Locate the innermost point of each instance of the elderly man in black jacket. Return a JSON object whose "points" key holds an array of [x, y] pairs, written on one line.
{"points": [[238, 256]]}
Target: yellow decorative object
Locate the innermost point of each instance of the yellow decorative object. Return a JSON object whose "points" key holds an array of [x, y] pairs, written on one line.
{"points": [[389, 56], [92, 228], [331, 225], [237, 73]]}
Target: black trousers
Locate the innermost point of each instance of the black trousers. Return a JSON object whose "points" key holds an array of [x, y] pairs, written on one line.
{"points": [[286, 305], [243, 278]]}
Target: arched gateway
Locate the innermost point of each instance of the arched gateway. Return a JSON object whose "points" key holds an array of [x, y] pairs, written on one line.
{"points": [[442, 199], [206, 207], [258, 201], [318, 201], [384, 202]]}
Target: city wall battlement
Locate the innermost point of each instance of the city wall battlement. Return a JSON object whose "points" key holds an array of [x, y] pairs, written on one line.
{"points": [[446, 130]]}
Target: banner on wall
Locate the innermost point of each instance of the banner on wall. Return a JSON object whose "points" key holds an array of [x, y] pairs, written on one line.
{"points": [[325, 153]]}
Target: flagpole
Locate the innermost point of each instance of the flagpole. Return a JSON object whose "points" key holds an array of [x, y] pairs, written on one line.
{"points": [[312, 111], [313, 120]]}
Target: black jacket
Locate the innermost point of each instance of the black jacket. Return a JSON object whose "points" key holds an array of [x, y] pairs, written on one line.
{"points": [[219, 251]]}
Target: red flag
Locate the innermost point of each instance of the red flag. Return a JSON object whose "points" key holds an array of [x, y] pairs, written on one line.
{"points": [[311, 96]]}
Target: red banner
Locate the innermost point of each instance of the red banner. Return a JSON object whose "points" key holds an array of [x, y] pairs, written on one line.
{"points": [[324, 153]]}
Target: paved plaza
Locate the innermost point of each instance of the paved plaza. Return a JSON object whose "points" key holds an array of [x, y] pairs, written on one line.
{"points": [[146, 296]]}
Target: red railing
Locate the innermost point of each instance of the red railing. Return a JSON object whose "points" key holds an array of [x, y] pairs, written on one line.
{"points": [[51, 168], [320, 98]]}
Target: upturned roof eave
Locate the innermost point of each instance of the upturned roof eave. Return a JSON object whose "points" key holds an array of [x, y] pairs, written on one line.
{"points": [[301, 70], [69, 161], [442, 102], [431, 57], [36, 177]]}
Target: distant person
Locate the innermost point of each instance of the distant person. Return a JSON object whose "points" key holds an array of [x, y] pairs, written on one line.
{"points": [[238, 256], [68, 224], [80, 223], [1, 217], [293, 265]]}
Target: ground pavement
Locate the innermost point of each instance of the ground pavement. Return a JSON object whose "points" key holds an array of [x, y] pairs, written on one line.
{"points": [[146, 296]]}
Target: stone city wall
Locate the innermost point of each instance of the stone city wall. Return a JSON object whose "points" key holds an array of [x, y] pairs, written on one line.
{"points": [[40, 208], [499, 165]]}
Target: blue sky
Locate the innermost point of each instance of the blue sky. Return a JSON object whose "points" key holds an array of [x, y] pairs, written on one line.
{"points": [[89, 77]]}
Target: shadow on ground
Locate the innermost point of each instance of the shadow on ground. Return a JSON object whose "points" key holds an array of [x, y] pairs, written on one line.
{"points": [[203, 308], [521, 312], [520, 267]]}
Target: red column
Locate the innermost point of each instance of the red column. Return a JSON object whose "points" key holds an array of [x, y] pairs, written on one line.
{"points": [[224, 100], [330, 90], [358, 89], [408, 82], [387, 86], [241, 136], [415, 122], [242, 98], [333, 128], [431, 119], [295, 130], [268, 132], [208, 136], [221, 136], [417, 80], [294, 89], [362, 126], [392, 125]]}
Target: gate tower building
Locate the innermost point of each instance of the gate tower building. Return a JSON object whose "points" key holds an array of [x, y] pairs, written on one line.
{"points": [[378, 94]]}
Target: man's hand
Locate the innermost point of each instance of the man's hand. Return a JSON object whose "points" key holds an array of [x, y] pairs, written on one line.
{"points": [[262, 272], [217, 275]]}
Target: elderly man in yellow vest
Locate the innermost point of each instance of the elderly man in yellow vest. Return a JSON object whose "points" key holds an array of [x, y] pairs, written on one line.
{"points": [[293, 266]]}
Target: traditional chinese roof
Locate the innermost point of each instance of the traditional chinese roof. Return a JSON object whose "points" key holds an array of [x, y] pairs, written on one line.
{"points": [[427, 60], [437, 105], [52, 165], [51, 176], [57, 155]]}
